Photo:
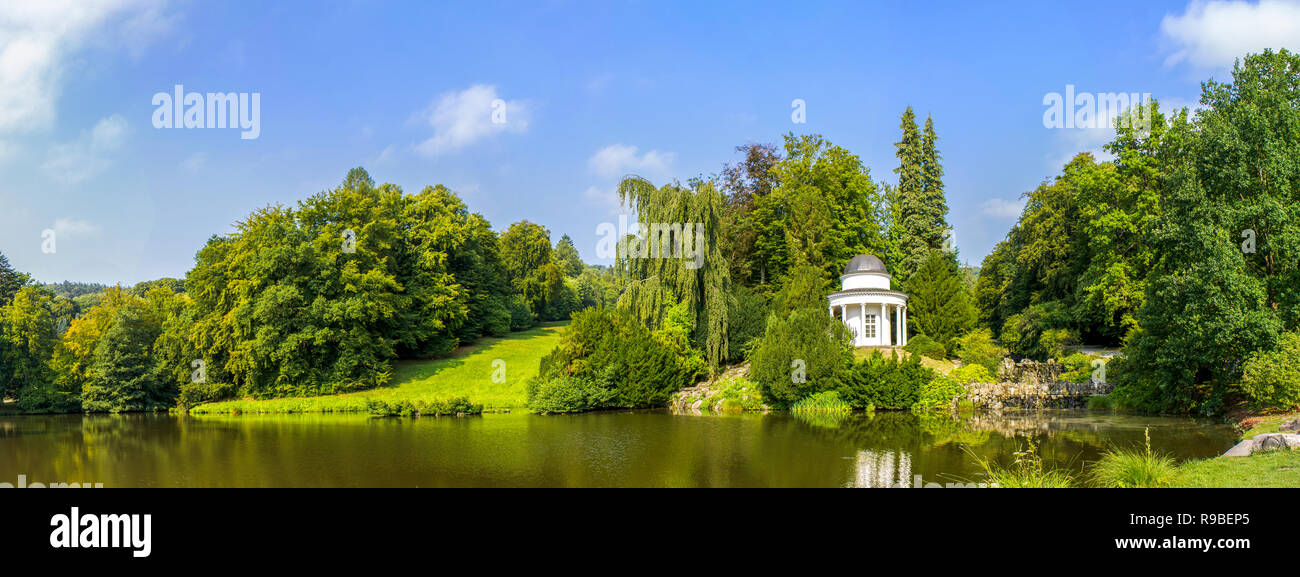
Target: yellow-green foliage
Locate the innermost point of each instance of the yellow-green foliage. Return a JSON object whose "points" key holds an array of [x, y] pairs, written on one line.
{"points": [[972, 374], [939, 393]]}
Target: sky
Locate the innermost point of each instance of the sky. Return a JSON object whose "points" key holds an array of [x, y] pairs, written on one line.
{"points": [[534, 110]]}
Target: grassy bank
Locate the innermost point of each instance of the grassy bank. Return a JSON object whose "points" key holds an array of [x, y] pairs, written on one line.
{"points": [[1270, 469], [467, 372]]}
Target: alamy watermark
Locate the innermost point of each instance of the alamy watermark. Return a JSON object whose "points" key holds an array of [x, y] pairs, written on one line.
{"points": [[677, 240], [181, 109], [1096, 110]]}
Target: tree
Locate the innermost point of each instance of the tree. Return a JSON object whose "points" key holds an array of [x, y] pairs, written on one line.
{"points": [[677, 258], [938, 306], [526, 255], [745, 185], [10, 281], [29, 334], [1227, 279], [123, 377], [567, 258]]}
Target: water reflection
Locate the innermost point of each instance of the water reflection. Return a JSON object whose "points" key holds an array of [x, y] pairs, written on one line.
{"points": [[638, 448]]}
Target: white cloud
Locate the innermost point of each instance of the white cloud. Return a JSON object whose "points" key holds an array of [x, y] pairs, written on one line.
{"points": [[37, 37], [999, 208], [73, 227], [460, 119], [88, 155], [1213, 34], [622, 159]]}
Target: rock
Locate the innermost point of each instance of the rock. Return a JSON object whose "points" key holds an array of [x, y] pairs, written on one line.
{"points": [[1272, 441], [1293, 426]]}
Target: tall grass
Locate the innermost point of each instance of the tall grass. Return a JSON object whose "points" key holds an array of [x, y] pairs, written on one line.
{"points": [[1134, 468], [1026, 472], [823, 402]]}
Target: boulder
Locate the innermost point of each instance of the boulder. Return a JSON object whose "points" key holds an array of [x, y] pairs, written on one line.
{"points": [[1292, 426], [1272, 441]]}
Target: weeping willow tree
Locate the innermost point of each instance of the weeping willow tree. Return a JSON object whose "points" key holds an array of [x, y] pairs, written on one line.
{"points": [[674, 257]]}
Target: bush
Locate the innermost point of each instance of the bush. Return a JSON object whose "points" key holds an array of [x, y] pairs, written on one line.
{"points": [[611, 348], [926, 347], [978, 348], [1125, 468], [1078, 368], [568, 394], [746, 321], [421, 408], [939, 393], [883, 383], [972, 374], [1053, 343], [1271, 379], [799, 355]]}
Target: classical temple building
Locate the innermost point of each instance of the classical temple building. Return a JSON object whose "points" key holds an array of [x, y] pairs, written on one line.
{"points": [[875, 315]]}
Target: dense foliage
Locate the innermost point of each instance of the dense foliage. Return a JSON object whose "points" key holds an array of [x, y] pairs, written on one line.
{"points": [[883, 382]]}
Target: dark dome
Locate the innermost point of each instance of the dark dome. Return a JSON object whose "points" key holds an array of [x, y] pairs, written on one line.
{"points": [[865, 263]]}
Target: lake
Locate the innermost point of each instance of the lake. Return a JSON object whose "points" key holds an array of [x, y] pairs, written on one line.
{"points": [[607, 449]]}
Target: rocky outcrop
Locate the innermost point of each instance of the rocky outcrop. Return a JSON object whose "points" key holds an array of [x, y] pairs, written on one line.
{"points": [[1292, 426], [1030, 372]]}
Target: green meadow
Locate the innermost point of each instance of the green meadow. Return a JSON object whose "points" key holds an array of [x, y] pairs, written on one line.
{"points": [[467, 372]]}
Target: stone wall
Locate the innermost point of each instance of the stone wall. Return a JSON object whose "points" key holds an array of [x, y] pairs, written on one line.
{"points": [[1032, 385]]}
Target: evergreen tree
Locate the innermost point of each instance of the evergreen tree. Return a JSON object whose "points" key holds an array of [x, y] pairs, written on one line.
{"points": [[935, 207], [938, 306], [567, 258], [10, 280], [910, 230]]}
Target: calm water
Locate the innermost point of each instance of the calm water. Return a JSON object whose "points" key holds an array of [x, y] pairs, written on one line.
{"points": [[642, 448]]}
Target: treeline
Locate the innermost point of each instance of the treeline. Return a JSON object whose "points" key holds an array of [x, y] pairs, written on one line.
{"points": [[1185, 250], [318, 298]]}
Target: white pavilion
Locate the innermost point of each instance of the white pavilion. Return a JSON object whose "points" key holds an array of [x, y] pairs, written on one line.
{"points": [[875, 315]]}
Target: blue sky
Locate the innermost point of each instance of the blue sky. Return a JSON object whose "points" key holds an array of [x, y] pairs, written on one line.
{"points": [[593, 90]]}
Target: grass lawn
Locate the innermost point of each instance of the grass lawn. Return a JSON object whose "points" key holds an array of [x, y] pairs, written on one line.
{"points": [[467, 372], [941, 367], [1269, 469]]}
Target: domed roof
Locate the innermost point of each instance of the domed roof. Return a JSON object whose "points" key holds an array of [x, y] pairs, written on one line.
{"points": [[865, 263]]}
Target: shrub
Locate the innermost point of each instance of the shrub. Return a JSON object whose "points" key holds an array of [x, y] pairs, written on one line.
{"points": [[799, 355], [734, 395], [939, 393], [823, 402], [926, 347], [978, 348], [521, 317], [423, 408], [883, 383], [613, 349], [1078, 368], [1271, 379], [568, 394], [1132, 468], [972, 374]]}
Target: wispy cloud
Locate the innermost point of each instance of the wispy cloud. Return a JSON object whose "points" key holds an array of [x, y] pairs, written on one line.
{"points": [[36, 39], [74, 227], [91, 153], [460, 119], [622, 159], [1003, 209], [1213, 34]]}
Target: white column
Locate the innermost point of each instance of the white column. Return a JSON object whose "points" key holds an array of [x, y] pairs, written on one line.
{"points": [[904, 325], [862, 322], [882, 326]]}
